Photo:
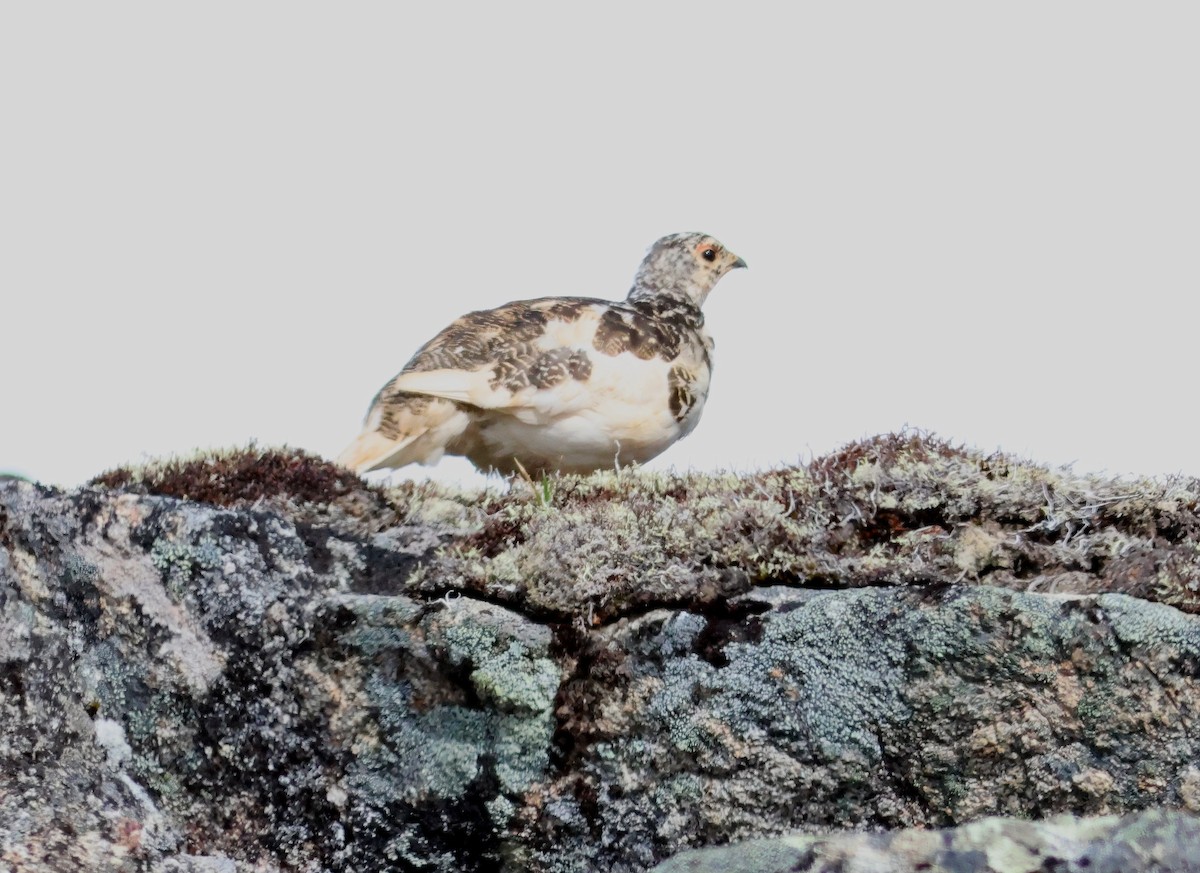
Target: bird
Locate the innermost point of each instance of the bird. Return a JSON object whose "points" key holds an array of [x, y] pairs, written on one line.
{"points": [[558, 384]]}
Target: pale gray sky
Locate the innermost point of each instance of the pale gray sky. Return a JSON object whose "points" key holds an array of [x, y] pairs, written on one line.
{"points": [[232, 221]]}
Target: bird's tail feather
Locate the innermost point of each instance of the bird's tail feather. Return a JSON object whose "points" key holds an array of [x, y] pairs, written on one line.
{"points": [[372, 450], [423, 428]]}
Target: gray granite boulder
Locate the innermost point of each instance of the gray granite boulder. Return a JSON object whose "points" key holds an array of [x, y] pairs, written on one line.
{"points": [[254, 662], [1153, 840]]}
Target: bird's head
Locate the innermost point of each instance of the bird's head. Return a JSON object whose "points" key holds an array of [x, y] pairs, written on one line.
{"points": [[683, 265]]}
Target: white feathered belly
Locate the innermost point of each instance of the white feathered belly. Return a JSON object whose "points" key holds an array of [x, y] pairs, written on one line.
{"points": [[620, 415]]}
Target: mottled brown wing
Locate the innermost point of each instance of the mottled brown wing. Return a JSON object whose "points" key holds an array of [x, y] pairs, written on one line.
{"points": [[479, 339], [486, 359]]}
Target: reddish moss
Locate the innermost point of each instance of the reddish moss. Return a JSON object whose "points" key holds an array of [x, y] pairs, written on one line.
{"points": [[499, 534], [884, 451], [241, 477], [114, 480]]}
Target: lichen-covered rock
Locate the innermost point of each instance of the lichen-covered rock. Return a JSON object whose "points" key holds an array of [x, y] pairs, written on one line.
{"points": [[1152, 840], [881, 708], [302, 673]]}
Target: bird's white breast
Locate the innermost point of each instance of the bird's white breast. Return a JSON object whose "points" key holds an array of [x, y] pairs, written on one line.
{"points": [[621, 414]]}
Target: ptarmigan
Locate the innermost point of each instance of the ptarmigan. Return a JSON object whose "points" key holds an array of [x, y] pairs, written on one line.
{"points": [[560, 383]]}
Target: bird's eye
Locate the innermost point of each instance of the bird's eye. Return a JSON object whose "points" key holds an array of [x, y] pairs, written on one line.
{"points": [[709, 254]]}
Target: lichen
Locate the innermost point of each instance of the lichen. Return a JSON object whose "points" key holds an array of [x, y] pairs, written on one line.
{"points": [[1150, 626], [179, 560], [843, 693]]}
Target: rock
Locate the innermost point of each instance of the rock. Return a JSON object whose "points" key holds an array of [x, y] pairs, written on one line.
{"points": [[881, 708], [1153, 840], [302, 673]]}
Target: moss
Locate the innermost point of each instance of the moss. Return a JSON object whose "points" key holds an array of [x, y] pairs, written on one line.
{"points": [[899, 509], [308, 486], [904, 508], [237, 477]]}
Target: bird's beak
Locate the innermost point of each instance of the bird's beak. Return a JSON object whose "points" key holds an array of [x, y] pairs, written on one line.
{"points": [[740, 262]]}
